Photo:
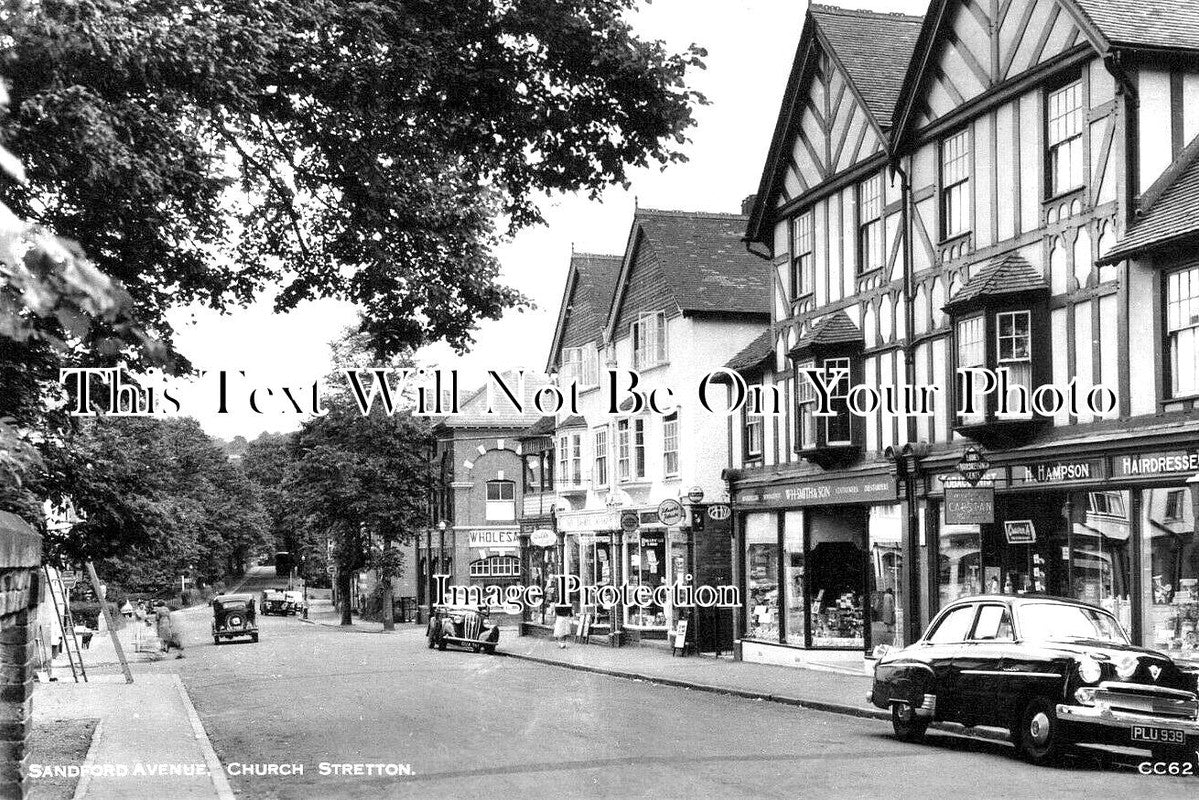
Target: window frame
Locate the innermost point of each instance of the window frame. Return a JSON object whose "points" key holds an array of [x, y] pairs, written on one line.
{"points": [[624, 451], [953, 185], [1052, 148], [949, 612], [1172, 332], [671, 419], [1002, 362], [803, 273], [749, 421], [868, 228], [648, 334], [599, 445]]}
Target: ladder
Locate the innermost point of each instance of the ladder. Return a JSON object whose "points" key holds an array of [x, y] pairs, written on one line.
{"points": [[62, 610]]}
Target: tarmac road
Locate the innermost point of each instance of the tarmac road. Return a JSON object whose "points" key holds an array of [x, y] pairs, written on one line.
{"points": [[472, 725]]}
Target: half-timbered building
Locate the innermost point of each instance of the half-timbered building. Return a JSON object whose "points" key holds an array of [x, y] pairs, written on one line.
{"points": [[1024, 215]]}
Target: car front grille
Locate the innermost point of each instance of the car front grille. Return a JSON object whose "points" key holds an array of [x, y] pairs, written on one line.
{"points": [[474, 624], [1134, 698]]}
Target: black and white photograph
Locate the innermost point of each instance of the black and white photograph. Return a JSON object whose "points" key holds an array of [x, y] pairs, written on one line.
{"points": [[599, 399]]}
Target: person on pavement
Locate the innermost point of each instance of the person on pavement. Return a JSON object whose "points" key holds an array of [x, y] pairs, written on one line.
{"points": [[168, 632]]}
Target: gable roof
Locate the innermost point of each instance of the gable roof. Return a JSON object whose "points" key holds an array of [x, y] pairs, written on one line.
{"points": [[836, 328], [473, 407], [1169, 212], [871, 48], [700, 256], [870, 45], [1008, 274], [590, 283], [1106, 24]]}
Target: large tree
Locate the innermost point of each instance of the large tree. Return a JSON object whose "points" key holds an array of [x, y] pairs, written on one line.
{"points": [[361, 483], [360, 149]]}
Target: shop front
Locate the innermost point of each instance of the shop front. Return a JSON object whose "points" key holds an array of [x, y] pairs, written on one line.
{"points": [[821, 565], [1116, 530]]}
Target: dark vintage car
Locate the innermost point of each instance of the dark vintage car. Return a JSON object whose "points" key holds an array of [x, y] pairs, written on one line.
{"points": [[1053, 672], [233, 616], [463, 626], [276, 601]]}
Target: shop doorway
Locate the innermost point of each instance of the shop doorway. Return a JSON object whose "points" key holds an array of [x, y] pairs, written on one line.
{"points": [[837, 568]]}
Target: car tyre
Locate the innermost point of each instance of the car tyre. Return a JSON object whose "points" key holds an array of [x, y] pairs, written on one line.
{"points": [[1039, 737], [441, 643], [216, 640], [908, 727], [1176, 753], [432, 642], [489, 649], [254, 638]]}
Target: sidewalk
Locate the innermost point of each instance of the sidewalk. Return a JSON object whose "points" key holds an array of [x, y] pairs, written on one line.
{"points": [[149, 742], [822, 690]]}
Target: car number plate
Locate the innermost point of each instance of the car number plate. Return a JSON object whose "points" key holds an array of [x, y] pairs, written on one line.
{"points": [[1151, 735]]}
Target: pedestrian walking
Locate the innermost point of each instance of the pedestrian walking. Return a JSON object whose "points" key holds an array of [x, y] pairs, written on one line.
{"points": [[562, 623], [168, 632]]}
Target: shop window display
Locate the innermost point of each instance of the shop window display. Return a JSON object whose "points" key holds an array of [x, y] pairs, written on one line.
{"points": [[647, 567], [960, 561], [886, 575], [761, 577], [1170, 572], [836, 565]]}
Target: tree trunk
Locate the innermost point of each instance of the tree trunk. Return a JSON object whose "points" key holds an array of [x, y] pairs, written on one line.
{"points": [[345, 579], [389, 622]]}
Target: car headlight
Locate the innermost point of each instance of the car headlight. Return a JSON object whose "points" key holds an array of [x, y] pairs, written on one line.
{"points": [[1085, 695], [1127, 667], [1089, 670]]}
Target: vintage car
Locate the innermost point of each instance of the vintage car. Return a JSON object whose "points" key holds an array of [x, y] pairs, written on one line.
{"points": [[464, 626], [233, 616], [276, 601], [1053, 672]]}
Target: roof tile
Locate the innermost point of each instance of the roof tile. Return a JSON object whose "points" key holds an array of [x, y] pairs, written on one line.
{"points": [[1007, 274]]}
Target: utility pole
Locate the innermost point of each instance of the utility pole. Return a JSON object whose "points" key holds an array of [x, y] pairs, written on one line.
{"points": [[389, 621]]}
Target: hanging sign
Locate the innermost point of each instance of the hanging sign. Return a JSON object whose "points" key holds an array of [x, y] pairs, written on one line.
{"points": [[720, 511], [543, 537], [629, 521], [670, 512], [973, 465], [973, 505]]}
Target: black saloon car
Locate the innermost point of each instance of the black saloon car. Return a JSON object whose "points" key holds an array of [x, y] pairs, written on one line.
{"points": [[1053, 672], [463, 626], [233, 616]]}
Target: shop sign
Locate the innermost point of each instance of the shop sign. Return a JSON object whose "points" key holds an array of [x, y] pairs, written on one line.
{"points": [[973, 505], [831, 491], [720, 511], [1020, 531], [1059, 470], [629, 521], [973, 465], [696, 494], [1153, 464], [670, 512], [485, 538], [543, 537]]}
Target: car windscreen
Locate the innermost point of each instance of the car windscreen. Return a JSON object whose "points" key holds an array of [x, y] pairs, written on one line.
{"points": [[1055, 622]]}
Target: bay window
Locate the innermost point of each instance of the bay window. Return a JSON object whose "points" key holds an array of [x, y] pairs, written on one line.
{"points": [[1013, 344], [817, 431], [1182, 331], [570, 458], [1064, 127], [972, 353], [630, 449]]}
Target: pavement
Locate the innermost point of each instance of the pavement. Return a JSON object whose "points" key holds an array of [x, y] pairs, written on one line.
{"points": [[317, 711]]}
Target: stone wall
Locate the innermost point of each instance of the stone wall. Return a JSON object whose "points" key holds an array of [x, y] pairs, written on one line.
{"points": [[20, 559]]}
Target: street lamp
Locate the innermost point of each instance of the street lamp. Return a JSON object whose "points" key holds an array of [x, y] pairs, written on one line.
{"points": [[441, 526]]}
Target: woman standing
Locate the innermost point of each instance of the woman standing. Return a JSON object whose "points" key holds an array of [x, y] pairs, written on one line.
{"points": [[562, 623]]}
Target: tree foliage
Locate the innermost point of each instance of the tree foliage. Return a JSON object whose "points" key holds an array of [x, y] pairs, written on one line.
{"points": [[359, 149]]}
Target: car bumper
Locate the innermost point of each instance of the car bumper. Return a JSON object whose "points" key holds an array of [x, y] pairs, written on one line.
{"points": [[1109, 718]]}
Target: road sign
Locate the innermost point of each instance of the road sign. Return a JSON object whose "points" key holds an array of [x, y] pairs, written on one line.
{"points": [[69, 579], [329, 569], [973, 465]]}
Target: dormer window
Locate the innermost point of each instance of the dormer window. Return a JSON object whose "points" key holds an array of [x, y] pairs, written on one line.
{"points": [[580, 365], [649, 340]]}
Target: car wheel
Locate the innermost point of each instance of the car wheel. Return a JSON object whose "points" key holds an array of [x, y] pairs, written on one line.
{"points": [[474, 648], [254, 638], [431, 641], [1176, 753], [216, 640], [440, 644], [908, 727], [1039, 736], [489, 649]]}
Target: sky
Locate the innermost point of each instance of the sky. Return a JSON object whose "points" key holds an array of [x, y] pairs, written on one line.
{"points": [[750, 44]]}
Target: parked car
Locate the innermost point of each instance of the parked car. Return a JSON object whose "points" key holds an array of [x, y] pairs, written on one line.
{"points": [[276, 601], [296, 598], [233, 616], [463, 626], [1054, 672]]}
